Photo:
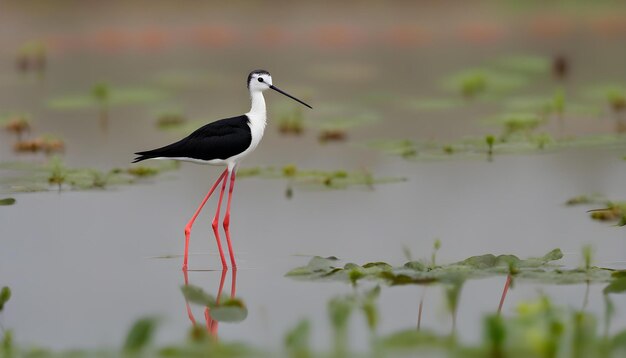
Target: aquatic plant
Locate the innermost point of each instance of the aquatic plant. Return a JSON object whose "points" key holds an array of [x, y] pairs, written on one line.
{"points": [[612, 211], [617, 98], [539, 269], [291, 121], [560, 67], [31, 56], [317, 179], [17, 124], [525, 64], [170, 120], [297, 340], [47, 144], [103, 97], [231, 309], [40, 177], [7, 201], [5, 296], [480, 82], [518, 124]]}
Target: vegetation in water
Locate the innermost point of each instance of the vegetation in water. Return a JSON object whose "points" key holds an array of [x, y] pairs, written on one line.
{"points": [[480, 82], [526, 64], [7, 201], [17, 124], [231, 309], [317, 179], [5, 296], [170, 120], [48, 144], [32, 56], [610, 211], [291, 121], [104, 95], [56, 174], [540, 269]]}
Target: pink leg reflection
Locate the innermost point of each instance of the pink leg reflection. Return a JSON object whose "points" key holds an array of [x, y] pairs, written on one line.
{"points": [[504, 292], [211, 324]]}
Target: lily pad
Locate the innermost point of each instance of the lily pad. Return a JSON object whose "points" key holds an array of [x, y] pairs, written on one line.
{"points": [[7, 201], [318, 179], [538, 269], [196, 295], [230, 310]]}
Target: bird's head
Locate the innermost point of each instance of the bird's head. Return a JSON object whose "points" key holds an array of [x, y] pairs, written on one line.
{"points": [[261, 80]]}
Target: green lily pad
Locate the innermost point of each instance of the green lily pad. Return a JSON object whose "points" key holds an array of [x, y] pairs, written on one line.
{"points": [[539, 269], [7, 201], [230, 310], [195, 294]]}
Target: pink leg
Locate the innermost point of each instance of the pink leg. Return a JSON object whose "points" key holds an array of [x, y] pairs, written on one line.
{"points": [[504, 292], [211, 323], [193, 218], [227, 220], [189, 313], [233, 287], [216, 221]]}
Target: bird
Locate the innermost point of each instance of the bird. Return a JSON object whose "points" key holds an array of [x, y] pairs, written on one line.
{"points": [[224, 142]]}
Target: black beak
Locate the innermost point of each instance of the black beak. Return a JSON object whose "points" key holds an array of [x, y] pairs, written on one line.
{"points": [[288, 95]]}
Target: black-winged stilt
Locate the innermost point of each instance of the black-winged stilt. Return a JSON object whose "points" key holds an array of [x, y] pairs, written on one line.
{"points": [[223, 142]]}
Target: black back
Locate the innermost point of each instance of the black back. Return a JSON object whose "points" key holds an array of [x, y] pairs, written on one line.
{"points": [[217, 140]]}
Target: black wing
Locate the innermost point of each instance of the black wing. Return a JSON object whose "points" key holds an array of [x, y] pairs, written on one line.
{"points": [[217, 140]]}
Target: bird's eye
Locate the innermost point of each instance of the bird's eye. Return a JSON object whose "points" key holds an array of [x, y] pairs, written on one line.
{"points": [[260, 79]]}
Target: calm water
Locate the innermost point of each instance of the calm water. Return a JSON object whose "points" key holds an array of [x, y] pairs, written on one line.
{"points": [[82, 265]]}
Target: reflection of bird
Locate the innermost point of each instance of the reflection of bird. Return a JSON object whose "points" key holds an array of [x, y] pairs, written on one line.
{"points": [[212, 324], [223, 142]]}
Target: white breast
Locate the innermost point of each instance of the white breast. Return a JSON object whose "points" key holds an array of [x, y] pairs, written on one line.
{"points": [[257, 122]]}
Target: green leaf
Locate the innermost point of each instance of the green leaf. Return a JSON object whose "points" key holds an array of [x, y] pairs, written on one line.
{"points": [[230, 310], [195, 294], [7, 201], [297, 340], [415, 265], [616, 286], [140, 334], [5, 296], [317, 265]]}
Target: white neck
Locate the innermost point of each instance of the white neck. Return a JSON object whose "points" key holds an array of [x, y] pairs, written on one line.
{"points": [[258, 102]]}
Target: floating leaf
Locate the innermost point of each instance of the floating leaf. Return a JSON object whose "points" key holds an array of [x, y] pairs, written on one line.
{"points": [[616, 286], [230, 310], [196, 295], [317, 265], [539, 269], [7, 201]]}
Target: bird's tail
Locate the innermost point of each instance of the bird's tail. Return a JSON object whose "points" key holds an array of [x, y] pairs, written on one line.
{"points": [[142, 156]]}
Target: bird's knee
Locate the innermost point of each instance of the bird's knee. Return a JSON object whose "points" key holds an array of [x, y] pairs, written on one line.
{"points": [[226, 223], [187, 231], [215, 224]]}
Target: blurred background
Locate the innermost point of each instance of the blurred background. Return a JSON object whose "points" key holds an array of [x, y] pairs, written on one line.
{"points": [[406, 97]]}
